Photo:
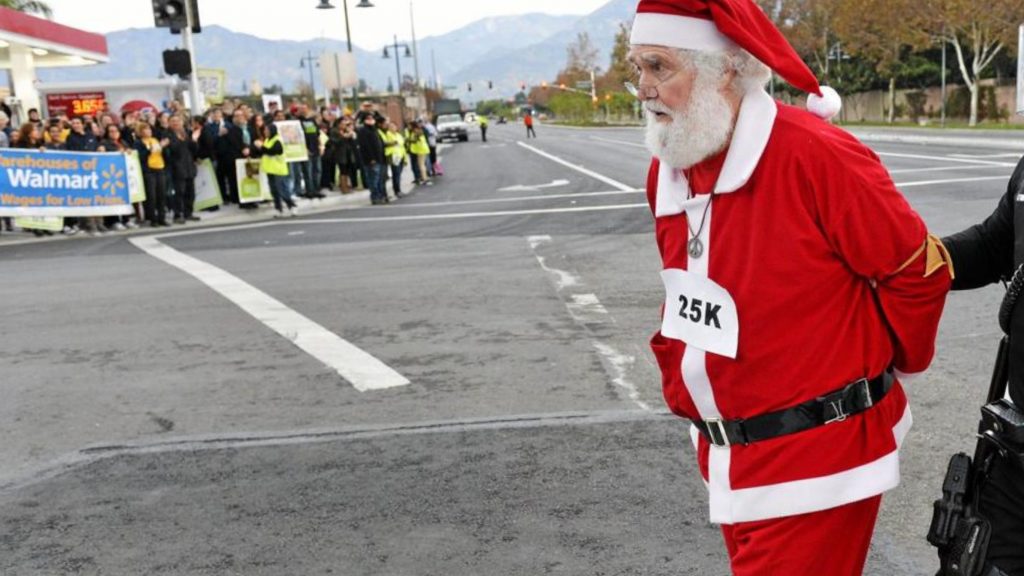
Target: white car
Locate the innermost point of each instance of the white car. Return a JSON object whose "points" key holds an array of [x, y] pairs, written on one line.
{"points": [[452, 126]]}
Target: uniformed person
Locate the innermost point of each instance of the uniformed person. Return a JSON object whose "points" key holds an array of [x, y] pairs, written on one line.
{"points": [[984, 254]]}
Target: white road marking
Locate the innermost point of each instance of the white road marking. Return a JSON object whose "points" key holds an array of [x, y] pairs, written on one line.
{"points": [[360, 369], [459, 215], [563, 279], [580, 169], [522, 188], [623, 142], [944, 169], [986, 156], [586, 310], [953, 181], [620, 363], [524, 198], [297, 233], [943, 159]]}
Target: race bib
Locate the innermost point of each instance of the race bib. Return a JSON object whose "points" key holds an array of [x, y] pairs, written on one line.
{"points": [[699, 312]]}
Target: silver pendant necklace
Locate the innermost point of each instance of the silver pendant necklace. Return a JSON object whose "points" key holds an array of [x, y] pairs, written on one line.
{"points": [[695, 246]]}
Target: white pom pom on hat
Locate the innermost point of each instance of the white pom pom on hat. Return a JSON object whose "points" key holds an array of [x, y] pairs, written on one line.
{"points": [[825, 106], [717, 25]]}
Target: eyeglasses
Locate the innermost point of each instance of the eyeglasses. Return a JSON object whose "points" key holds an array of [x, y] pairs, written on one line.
{"points": [[654, 66]]}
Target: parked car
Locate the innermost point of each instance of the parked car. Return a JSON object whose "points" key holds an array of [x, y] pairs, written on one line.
{"points": [[452, 126]]}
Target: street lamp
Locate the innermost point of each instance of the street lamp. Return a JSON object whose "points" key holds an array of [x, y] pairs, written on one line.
{"points": [[326, 5], [398, 65], [313, 63]]}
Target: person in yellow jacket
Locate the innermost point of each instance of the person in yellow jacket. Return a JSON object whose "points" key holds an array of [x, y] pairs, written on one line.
{"points": [[394, 150], [272, 162], [420, 150], [482, 119]]}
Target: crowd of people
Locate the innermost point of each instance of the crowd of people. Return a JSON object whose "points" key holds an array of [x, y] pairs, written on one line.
{"points": [[346, 151]]}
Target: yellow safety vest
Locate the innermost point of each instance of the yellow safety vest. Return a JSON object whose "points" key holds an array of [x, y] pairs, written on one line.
{"points": [[419, 145], [275, 165]]}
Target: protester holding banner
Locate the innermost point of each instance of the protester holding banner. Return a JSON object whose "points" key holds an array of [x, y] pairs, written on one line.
{"points": [[5, 142], [112, 142], [151, 156], [181, 155]]}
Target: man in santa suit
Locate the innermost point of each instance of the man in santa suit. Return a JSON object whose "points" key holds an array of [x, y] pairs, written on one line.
{"points": [[801, 288]]}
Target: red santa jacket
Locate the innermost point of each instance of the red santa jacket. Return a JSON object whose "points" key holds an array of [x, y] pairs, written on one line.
{"points": [[815, 273]]}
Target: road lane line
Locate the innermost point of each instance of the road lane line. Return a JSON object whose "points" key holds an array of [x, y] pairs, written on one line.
{"points": [[952, 181], [588, 312], [620, 363], [944, 169], [563, 279], [945, 159], [580, 169], [524, 198], [459, 215], [360, 369], [623, 142]]}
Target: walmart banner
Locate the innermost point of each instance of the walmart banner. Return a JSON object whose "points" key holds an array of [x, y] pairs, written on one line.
{"points": [[55, 183]]}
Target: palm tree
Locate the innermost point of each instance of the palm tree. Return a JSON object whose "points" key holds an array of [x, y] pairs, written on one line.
{"points": [[29, 6]]}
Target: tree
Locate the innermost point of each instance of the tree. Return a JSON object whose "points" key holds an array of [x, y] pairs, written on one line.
{"points": [[29, 6], [582, 58], [620, 70], [982, 30], [881, 31], [809, 25]]}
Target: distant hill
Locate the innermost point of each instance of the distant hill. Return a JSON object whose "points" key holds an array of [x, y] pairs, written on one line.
{"points": [[504, 49]]}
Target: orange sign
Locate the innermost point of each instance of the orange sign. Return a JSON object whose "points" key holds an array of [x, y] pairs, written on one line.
{"points": [[76, 104]]}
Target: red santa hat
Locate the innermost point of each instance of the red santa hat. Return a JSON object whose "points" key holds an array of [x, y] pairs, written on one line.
{"points": [[717, 25]]}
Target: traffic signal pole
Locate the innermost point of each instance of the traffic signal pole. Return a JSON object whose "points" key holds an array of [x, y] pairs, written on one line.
{"points": [[193, 78]]}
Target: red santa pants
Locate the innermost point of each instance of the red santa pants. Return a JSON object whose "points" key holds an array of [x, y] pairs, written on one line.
{"points": [[833, 542]]}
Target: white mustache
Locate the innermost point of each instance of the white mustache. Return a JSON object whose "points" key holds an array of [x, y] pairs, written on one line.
{"points": [[656, 107]]}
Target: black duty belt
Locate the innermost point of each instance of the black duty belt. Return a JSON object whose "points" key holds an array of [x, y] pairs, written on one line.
{"points": [[835, 406]]}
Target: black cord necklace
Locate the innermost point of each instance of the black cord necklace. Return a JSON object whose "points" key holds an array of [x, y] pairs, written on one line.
{"points": [[695, 246]]}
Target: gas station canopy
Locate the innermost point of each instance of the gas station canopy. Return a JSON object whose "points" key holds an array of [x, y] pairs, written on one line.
{"points": [[28, 42]]}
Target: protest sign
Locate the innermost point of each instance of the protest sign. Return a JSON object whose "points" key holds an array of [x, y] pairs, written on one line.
{"points": [[253, 185], [207, 189], [55, 183], [293, 139]]}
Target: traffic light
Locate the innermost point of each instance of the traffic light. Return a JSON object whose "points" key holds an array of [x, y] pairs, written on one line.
{"points": [[469, 87], [490, 85], [171, 14], [177, 62]]}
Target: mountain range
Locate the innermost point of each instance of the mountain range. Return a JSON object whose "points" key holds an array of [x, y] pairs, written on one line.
{"points": [[504, 50]]}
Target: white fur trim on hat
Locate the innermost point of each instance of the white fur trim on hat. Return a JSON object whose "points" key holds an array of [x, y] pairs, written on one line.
{"points": [[678, 32], [825, 106]]}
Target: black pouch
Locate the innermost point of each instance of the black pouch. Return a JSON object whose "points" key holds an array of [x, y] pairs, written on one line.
{"points": [[969, 548], [1006, 421]]}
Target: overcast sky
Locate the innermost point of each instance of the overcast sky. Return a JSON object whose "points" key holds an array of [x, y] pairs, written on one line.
{"points": [[300, 20]]}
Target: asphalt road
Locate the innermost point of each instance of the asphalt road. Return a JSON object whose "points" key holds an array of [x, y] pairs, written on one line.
{"points": [[156, 422]]}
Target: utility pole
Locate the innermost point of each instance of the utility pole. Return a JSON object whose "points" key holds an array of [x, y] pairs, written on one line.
{"points": [[433, 66], [193, 78], [415, 50], [311, 61]]}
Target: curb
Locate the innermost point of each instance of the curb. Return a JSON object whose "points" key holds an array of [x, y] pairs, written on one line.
{"points": [[334, 202], [969, 142]]}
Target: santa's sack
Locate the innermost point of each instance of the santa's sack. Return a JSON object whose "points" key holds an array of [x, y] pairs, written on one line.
{"points": [[438, 169]]}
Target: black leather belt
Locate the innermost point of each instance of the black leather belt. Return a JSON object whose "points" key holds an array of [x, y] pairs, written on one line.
{"points": [[835, 406]]}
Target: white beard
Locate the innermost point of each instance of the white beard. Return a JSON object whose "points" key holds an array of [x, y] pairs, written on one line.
{"points": [[695, 134]]}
